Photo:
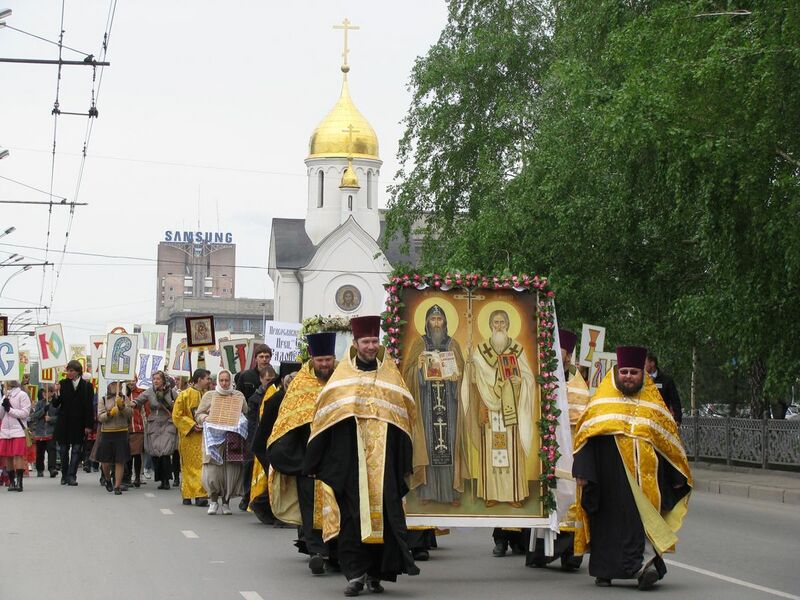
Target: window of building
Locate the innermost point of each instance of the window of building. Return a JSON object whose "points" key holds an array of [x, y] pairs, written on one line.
{"points": [[246, 325], [321, 190], [350, 202], [369, 189]]}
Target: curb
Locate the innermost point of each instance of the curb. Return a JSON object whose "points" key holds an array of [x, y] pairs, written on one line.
{"points": [[743, 490]]}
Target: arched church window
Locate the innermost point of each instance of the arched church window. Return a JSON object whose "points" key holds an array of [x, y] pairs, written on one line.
{"points": [[350, 202], [321, 190], [369, 189]]}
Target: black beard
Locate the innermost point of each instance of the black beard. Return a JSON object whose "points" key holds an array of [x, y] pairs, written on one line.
{"points": [[628, 390], [323, 376]]}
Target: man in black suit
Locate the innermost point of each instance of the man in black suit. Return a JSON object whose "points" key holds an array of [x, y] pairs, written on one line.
{"points": [[75, 419], [666, 386], [248, 382]]}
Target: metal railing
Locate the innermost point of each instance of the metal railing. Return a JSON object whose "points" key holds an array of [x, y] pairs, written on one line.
{"points": [[763, 442]]}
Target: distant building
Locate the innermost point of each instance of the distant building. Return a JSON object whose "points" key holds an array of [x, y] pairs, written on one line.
{"points": [[196, 275]]}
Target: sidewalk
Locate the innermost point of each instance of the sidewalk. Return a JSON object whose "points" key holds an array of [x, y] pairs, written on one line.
{"points": [[772, 486]]}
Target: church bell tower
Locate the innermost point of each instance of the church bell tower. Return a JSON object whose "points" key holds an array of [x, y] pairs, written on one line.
{"points": [[343, 166]]}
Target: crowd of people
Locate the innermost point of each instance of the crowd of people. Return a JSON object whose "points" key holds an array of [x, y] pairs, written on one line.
{"points": [[327, 447]]}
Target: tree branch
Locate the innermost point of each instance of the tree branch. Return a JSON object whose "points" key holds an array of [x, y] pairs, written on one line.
{"points": [[787, 156], [735, 13]]}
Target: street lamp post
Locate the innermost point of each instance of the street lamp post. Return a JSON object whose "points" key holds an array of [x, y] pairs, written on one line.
{"points": [[22, 270]]}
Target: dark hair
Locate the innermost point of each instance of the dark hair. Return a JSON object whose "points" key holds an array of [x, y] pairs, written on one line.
{"points": [[74, 365], [261, 348], [198, 375], [653, 358]]}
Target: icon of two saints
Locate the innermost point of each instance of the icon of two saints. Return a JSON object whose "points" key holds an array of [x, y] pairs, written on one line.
{"points": [[476, 414]]}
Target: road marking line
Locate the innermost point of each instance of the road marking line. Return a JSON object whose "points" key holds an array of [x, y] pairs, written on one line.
{"points": [[251, 596], [149, 495], [166, 511], [733, 580], [189, 534]]}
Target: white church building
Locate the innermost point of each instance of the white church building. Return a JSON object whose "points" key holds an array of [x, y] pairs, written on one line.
{"points": [[331, 263]]}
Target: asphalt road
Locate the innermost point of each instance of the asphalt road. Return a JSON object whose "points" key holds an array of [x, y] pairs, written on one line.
{"points": [[67, 542]]}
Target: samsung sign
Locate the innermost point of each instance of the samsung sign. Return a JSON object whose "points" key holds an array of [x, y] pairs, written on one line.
{"points": [[198, 237]]}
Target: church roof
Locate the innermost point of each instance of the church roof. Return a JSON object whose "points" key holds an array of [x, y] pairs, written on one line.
{"points": [[294, 250]]}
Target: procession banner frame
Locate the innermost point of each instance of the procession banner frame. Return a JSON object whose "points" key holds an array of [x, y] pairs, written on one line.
{"points": [[52, 346], [120, 361], [468, 300], [9, 358]]}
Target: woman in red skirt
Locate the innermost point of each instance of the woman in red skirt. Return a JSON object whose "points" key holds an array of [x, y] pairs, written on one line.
{"points": [[14, 411]]}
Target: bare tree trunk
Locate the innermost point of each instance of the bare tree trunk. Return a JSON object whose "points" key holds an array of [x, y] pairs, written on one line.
{"points": [[758, 375]]}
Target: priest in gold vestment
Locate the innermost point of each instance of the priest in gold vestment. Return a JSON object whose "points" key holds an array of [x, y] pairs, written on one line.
{"points": [[190, 438], [297, 498], [633, 476], [360, 445]]}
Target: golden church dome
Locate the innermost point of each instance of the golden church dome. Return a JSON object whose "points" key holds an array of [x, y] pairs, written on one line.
{"points": [[349, 177], [332, 138]]}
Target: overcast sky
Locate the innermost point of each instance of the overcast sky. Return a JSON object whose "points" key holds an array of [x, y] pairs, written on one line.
{"points": [[204, 104]]}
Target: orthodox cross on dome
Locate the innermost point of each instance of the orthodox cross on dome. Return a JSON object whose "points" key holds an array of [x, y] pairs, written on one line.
{"points": [[350, 131], [346, 26]]}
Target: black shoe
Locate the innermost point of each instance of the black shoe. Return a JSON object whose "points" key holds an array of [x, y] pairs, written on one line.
{"points": [[317, 564], [571, 562], [422, 555], [109, 486], [137, 482], [187, 501], [200, 501], [40, 473], [12, 483], [500, 549], [375, 586], [63, 480], [124, 488], [53, 474], [602, 582], [20, 473], [353, 588], [648, 579], [177, 481], [117, 492], [87, 468], [243, 505], [72, 482], [164, 485]]}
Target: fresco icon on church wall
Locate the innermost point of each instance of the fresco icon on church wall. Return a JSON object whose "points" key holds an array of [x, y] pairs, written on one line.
{"points": [[348, 298]]}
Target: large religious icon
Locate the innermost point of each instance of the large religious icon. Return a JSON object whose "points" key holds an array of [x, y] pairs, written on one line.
{"points": [[470, 360], [348, 298], [200, 332]]}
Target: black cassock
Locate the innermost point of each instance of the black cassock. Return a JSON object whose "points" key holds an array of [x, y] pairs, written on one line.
{"points": [[617, 534], [265, 424], [333, 457], [286, 455]]}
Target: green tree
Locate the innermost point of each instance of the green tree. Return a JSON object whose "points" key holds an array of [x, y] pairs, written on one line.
{"points": [[653, 172]]}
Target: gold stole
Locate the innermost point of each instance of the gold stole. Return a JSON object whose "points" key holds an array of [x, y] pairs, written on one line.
{"points": [[377, 399], [643, 429]]}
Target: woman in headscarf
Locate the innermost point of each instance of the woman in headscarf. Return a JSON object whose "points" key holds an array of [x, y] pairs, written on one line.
{"points": [[223, 443], [160, 437]]}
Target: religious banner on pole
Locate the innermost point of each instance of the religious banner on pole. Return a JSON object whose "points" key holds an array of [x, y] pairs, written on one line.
{"points": [[51, 346], [51, 375], [602, 363], [9, 358], [234, 354], [121, 356], [154, 337], [78, 352], [119, 327], [24, 363], [102, 382], [97, 346], [475, 353], [148, 361], [179, 356], [593, 338], [212, 360], [282, 338]]}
